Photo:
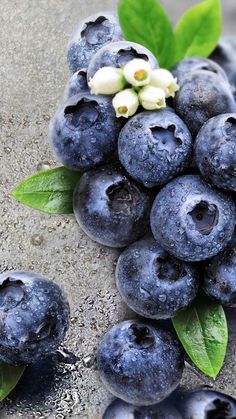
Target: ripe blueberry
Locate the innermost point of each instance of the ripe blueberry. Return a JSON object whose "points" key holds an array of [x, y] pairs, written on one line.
{"points": [[154, 147], [77, 84], [191, 220], [215, 151], [34, 316], [225, 56], [92, 34], [140, 363], [122, 410], [110, 208], [84, 131]]}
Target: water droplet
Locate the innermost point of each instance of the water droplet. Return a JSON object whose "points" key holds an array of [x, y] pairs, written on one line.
{"points": [[36, 240], [43, 165]]}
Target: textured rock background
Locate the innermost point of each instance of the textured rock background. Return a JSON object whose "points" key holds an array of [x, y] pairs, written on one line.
{"points": [[33, 73]]}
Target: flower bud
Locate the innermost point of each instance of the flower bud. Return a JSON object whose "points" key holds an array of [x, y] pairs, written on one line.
{"points": [[107, 81], [164, 79], [152, 98], [125, 103], [138, 72]]}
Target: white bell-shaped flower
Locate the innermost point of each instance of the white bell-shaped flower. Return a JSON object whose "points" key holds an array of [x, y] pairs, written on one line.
{"points": [[125, 103], [138, 72], [107, 81], [165, 80], [152, 98]]}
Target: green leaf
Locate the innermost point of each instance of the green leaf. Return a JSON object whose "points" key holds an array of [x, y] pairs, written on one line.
{"points": [[49, 191], [9, 377], [146, 22], [198, 30], [202, 330]]}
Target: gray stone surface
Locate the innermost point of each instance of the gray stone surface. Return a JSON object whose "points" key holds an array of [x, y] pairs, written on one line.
{"points": [[33, 73]]}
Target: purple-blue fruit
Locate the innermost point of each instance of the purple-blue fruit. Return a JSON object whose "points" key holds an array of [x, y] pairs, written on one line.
{"points": [[140, 363], [77, 84], [34, 317], [225, 56], [110, 208], [152, 282], [92, 34], [206, 404], [191, 220]]}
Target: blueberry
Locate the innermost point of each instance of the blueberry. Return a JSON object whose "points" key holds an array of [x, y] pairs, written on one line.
{"points": [[219, 277], [84, 131], [191, 220], [225, 56], [117, 54], [195, 64], [215, 151], [153, 283], [34, 316], [140, 363], [119, 409], [92, 34], [77, 84], [110, 208], [202, 95], [208, 405], [154, 147]]}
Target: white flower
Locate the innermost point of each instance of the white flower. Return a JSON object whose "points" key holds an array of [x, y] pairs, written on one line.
{"points": [[152, 98], [164, 79], [107, 81], [138, 72], [125, 103]]}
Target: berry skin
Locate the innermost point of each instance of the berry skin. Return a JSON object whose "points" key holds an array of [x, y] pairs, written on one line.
{"points": [[92, 34], [84, 131], [206, 404], [219, 277], [154, 147], [191, 220], [195, 64], [119, 409], [202, 95], [110, 208], [153, 283], [215, 151], [34, 317], [225, 56], [117, 54], [77, 84], [140, 363]]}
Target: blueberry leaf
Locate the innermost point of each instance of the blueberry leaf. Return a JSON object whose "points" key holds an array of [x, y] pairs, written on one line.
{"points": [[146, 22], [198, 30], [9, 377], [202, 330], [49, 191]]}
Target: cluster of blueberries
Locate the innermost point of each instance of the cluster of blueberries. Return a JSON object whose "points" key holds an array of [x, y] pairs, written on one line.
{"points": [[170, 174]]}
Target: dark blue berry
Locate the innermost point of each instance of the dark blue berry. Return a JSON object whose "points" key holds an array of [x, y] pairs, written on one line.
{"points": [[34, 316], [77, 84], [140, 363], [122, 410], [154, 147], [110, 208], [206, 404], [84, 131], [225, 56], [195, 64], [215, 151], [191, 220], [153, 283], [92, 34]]}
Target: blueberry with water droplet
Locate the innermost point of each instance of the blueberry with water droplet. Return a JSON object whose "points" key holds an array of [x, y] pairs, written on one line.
{"points": [[110, 208], [34, 317], [215, 151], [206, 404], [92, 34], [140, 363], [225, 55], [155, 285], [119, 409], [154, 147], [206, 217], [219, 277], [77, 84], [83, 119], [117, 54]]}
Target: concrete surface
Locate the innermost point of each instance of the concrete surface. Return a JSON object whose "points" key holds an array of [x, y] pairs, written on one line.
{"points": [[33, 73]]}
